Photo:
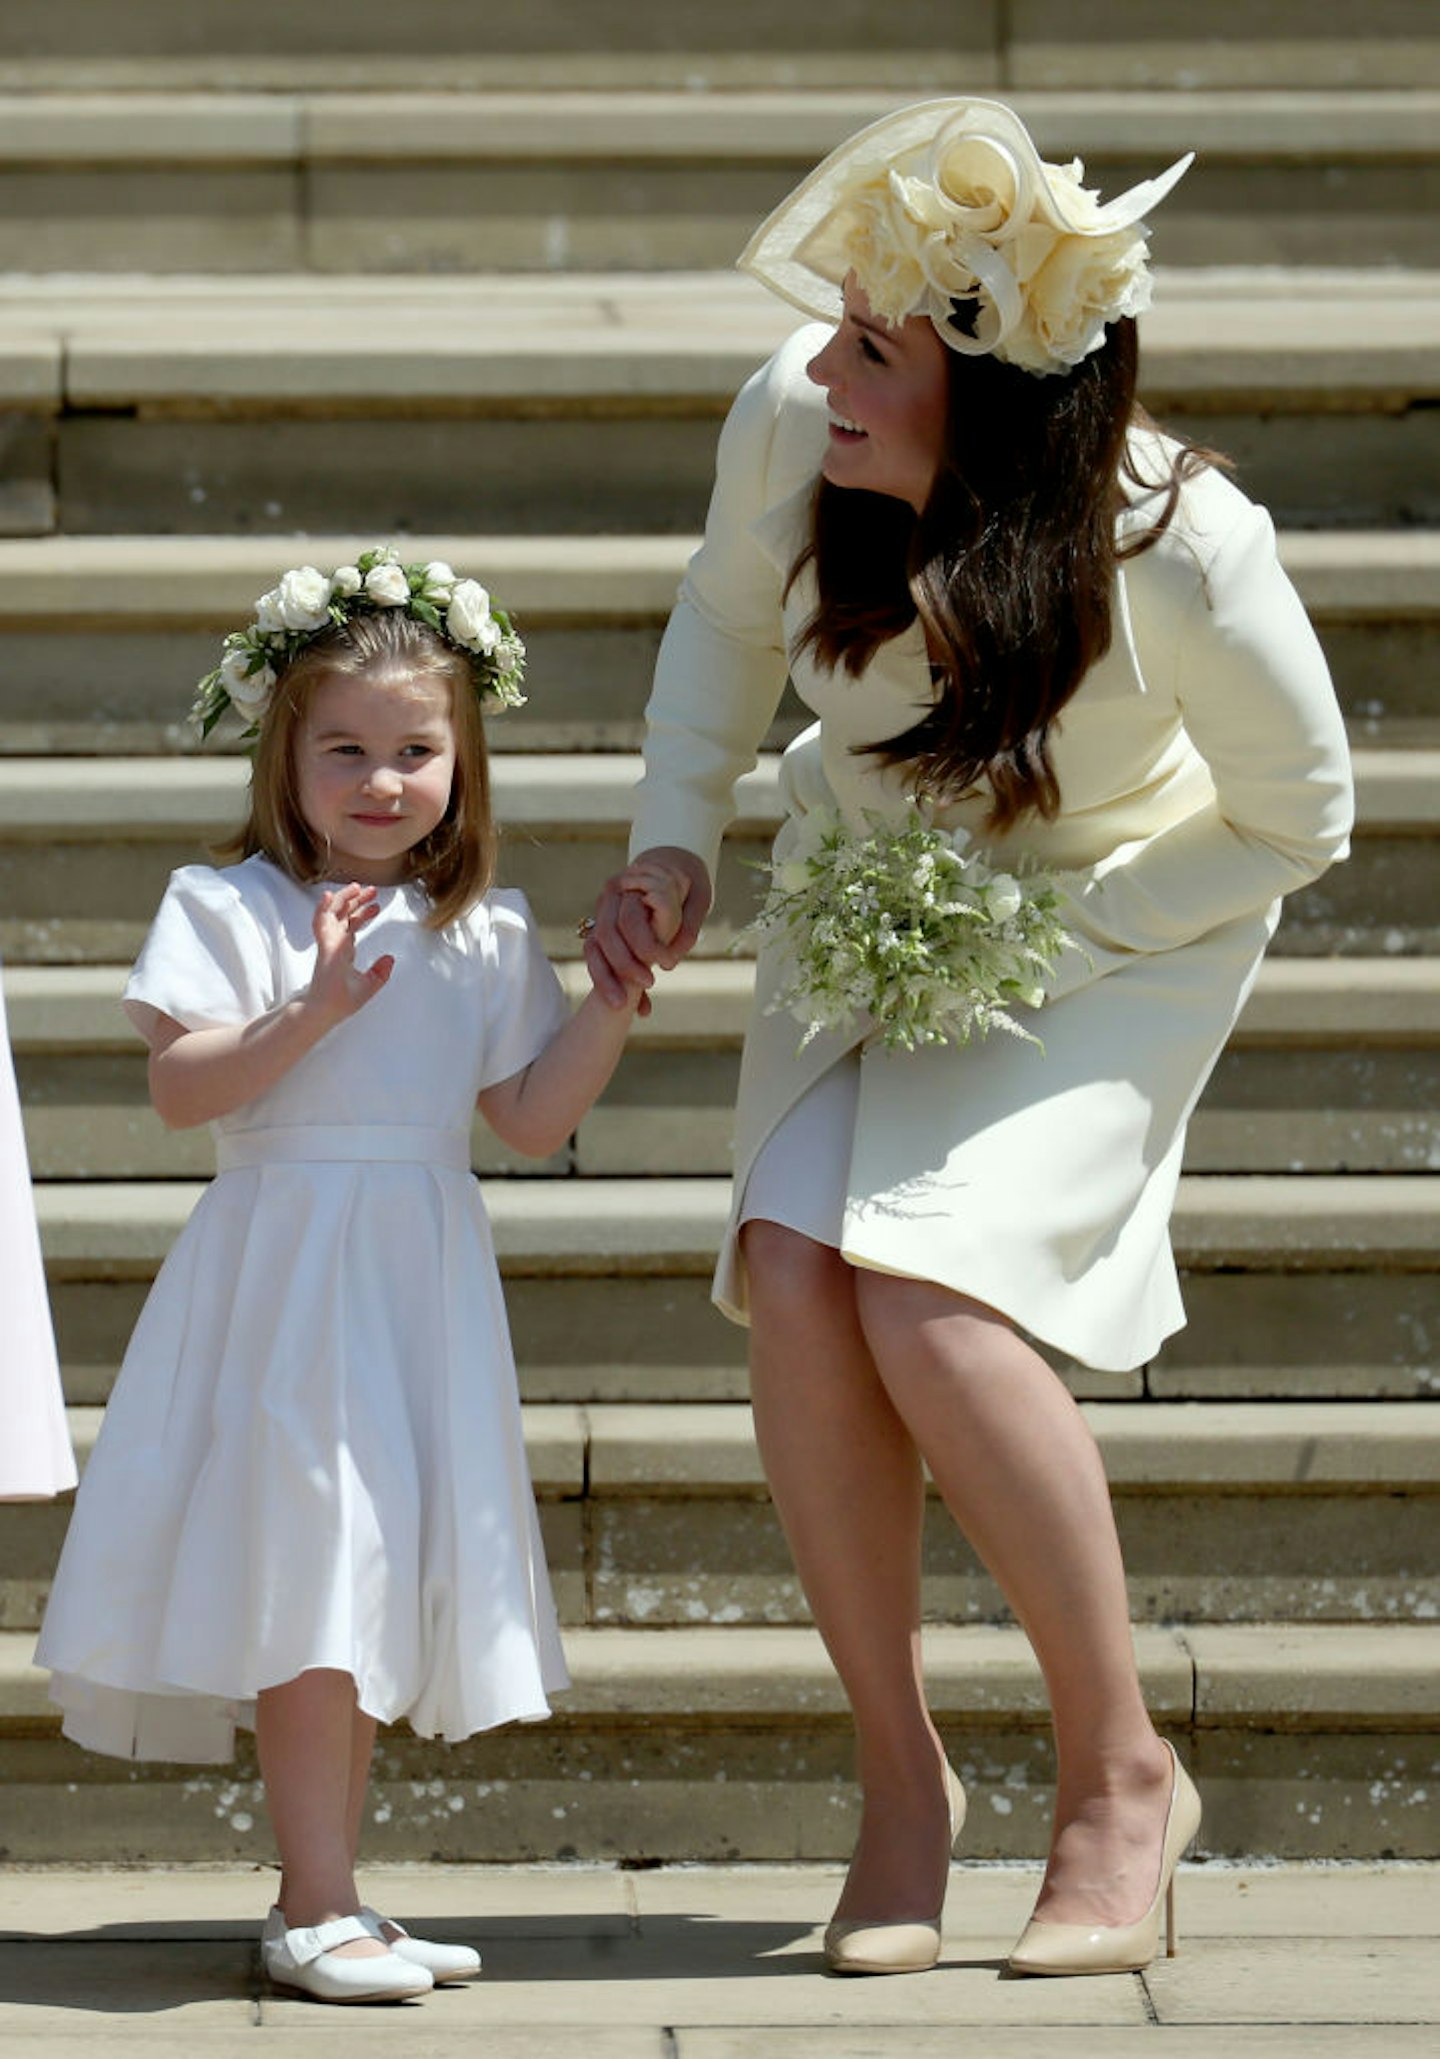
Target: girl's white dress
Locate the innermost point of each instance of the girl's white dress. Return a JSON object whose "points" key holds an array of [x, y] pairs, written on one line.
{"points": [[313, 1454], [35, 1456]]}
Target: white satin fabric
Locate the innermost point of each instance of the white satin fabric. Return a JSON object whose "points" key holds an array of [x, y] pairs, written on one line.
{"points": [[35, 1456], [313, 1455]]}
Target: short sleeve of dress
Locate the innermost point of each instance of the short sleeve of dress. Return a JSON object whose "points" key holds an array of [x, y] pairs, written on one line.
{"points": [[525, 1004], [204, 962]]}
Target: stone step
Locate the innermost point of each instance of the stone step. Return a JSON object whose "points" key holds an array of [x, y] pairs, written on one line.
{"points": [[922, 46], [1334, 1067], [445, 180], [1308, 1741], [101, 635], [657, 1515], [112, 830], [1319, 1287], [403, 412]]}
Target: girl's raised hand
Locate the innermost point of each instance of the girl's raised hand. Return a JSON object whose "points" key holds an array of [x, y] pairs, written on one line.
{"points": [[340, 987]]}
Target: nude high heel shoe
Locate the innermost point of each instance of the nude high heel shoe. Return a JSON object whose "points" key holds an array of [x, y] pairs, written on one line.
{"points": [[1125, 1947], [867, 1947]]}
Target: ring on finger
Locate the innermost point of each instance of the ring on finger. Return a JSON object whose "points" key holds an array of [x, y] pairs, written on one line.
{"points": [[584, 927]]}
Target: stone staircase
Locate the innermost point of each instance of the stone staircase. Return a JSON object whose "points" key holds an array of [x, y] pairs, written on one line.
{"points": [[473, 293]]}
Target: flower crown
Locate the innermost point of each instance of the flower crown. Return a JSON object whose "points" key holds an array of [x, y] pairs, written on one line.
{"points": [[305, 604], [948, 210]]}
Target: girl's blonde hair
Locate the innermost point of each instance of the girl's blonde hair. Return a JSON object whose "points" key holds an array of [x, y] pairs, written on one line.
{"points": [[455, 864]]}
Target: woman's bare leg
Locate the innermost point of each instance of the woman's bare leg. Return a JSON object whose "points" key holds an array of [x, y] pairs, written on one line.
{"points": [[305, 1733], [1020, 1472], [848, 1487]]}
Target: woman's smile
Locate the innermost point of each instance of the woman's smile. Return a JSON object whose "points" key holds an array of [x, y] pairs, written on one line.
{"points": [[888, 390]]}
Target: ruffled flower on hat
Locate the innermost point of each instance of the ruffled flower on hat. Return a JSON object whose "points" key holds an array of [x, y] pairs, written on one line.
{"points": [[972, 227], [948, 210]]}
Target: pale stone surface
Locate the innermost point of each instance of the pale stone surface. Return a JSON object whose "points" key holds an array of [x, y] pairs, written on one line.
{"points": [[1369, 1981], [673, 1225], [781, 126], [1342, 1791], [1298, 1673], [154, 795], [212, 580], [204, 1986], [1297, 1001], [96, 127], [65, 218], [642, 339], [1115, 2041], [1218, 42]]}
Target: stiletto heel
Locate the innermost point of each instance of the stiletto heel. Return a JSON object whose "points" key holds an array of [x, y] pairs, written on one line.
{"points": [[911, 1947], [1126, 1947]]}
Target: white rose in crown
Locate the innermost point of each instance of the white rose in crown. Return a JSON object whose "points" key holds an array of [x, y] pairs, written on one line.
{"points": [[387, 586], [345, 582], [468, 618], [440, 582], [300, 602], [248, 690]]}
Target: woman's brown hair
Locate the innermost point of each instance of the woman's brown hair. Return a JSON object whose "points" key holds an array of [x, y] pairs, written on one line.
{"points": [[455, 864], [1010, 567]]}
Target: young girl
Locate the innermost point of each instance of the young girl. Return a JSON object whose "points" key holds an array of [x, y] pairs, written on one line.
{"points": [[309, 1509]]}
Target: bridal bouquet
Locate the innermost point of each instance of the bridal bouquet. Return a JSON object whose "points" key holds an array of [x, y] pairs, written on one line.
{"points": [[908, 926]]}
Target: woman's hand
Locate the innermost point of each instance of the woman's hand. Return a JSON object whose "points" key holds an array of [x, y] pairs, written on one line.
{"points": [[339, 988], [648, 915]]}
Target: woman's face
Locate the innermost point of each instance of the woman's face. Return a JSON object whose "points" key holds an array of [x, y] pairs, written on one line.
{"points": [[889, 392]]}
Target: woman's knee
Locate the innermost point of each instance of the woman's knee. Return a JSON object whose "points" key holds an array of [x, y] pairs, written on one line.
{"points": [[898, 1307], [789, 1269]]}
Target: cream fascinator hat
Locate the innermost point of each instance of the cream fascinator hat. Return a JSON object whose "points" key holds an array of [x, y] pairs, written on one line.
{"points": [[947, 209]]}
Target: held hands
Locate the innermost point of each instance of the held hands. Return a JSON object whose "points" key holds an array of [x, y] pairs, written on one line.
{"points": [[648, 915], [340, 988]]}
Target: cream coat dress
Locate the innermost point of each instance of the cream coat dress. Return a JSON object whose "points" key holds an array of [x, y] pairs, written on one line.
{"points": [[1203, 773]]}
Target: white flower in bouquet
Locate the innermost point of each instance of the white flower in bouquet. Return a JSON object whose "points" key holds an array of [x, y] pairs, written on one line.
{"points": [[907, 926]]}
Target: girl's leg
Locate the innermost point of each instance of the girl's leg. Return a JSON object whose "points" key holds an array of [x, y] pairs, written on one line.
{"points": [[362, 1747], [847, 1484], [1020, 1472], [305, 1733]]}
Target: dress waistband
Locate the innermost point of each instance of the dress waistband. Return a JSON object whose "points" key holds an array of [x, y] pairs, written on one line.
{"points": [[342, 1143]]}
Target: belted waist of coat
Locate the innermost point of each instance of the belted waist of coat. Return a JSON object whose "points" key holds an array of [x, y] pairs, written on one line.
{"points": [[342, 1143]]}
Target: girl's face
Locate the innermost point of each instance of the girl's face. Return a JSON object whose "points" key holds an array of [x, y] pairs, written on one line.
{"points": [[889, 395], [374, 766]]}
